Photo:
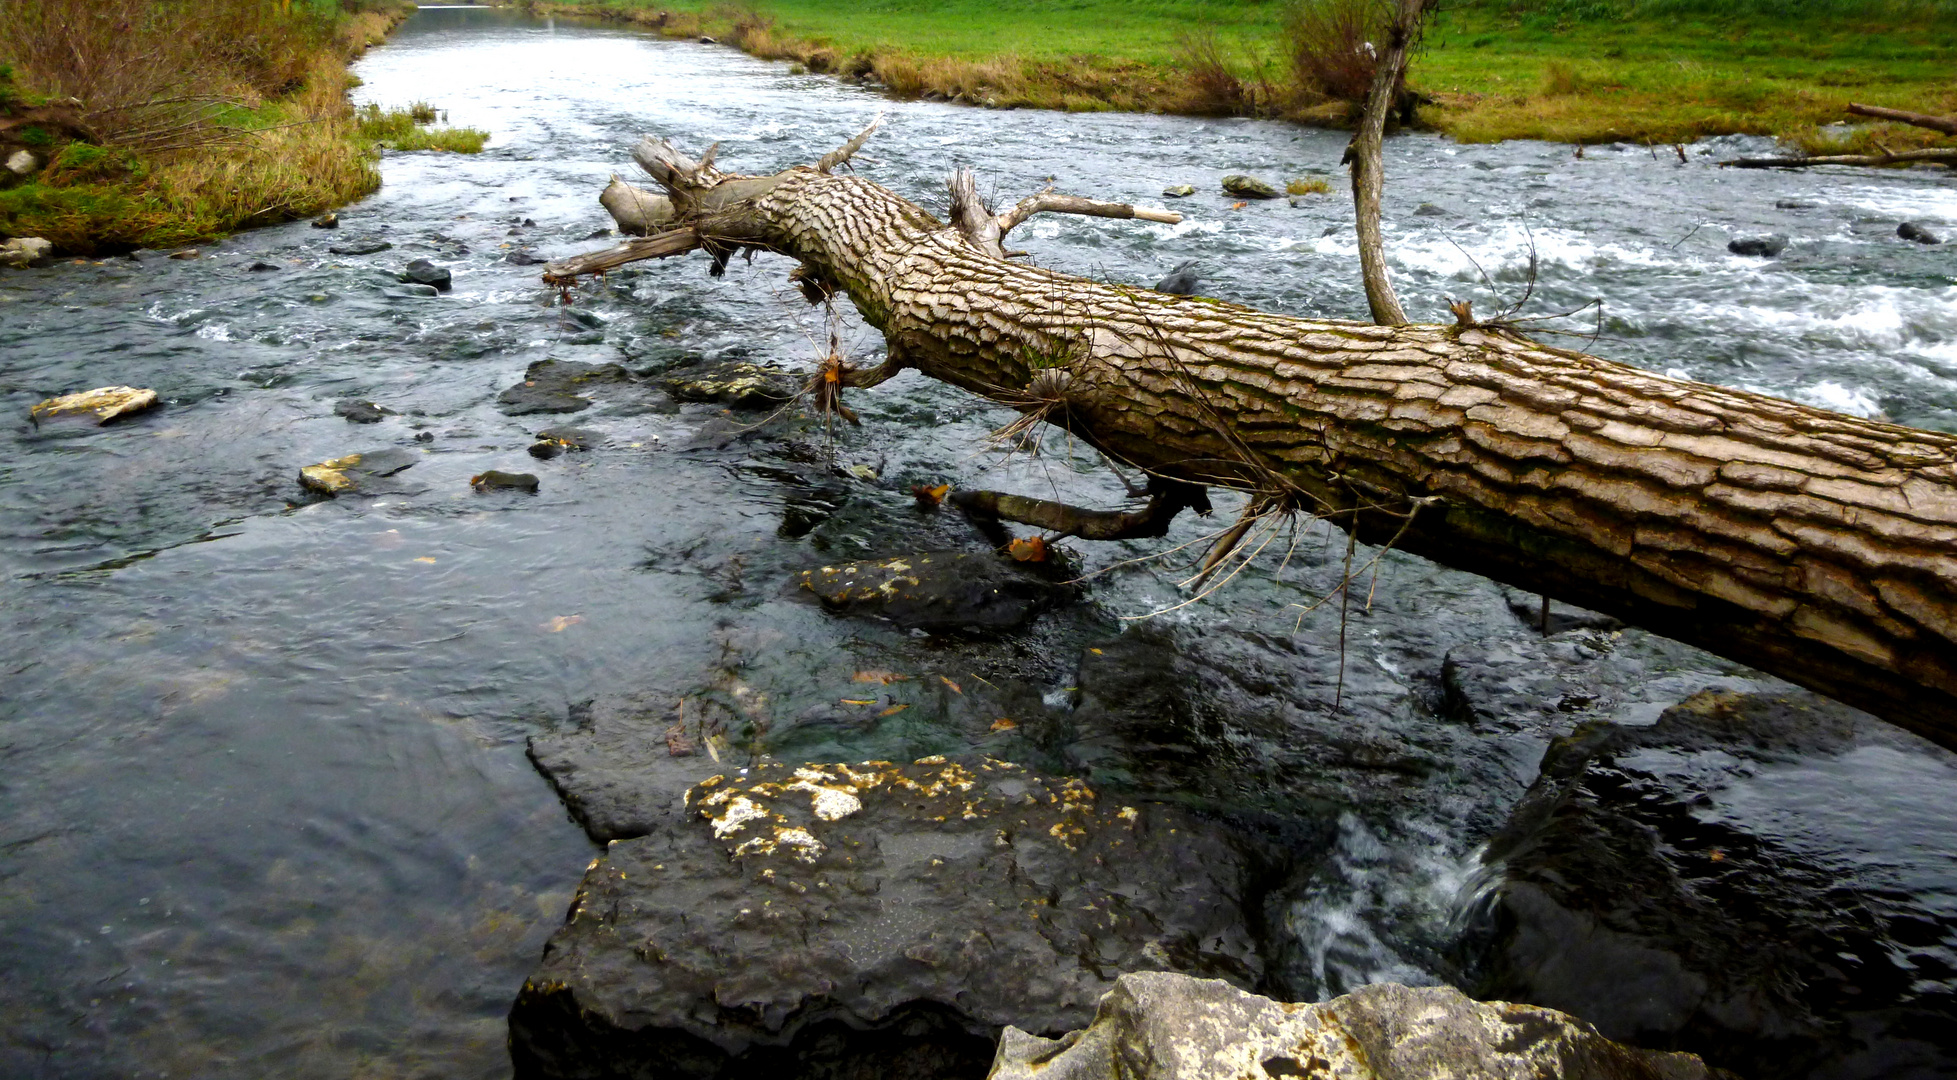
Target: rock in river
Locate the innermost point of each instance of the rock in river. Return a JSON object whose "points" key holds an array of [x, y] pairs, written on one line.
{"points": [[22, 252], [423, 272], [873, 920], [103, 404], [558, 386], [934, 590], [1248, 187], [736, 384], [1763, 247], [360, 247], [359, 474], [1703, 884], [554, 441], [1155, 1025], [360, 412], [1910, 230], [498, 480]]}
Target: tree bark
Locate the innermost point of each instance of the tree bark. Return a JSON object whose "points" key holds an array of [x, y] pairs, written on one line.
{"points": [[1945, 124], [1815, 546], [1368, 167]]}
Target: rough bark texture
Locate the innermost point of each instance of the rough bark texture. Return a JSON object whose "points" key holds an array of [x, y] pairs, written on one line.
{"points": [[1816, 546], [1368, 168]]}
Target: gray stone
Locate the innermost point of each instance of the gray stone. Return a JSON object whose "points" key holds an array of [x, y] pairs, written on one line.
{"points": [[1248, 187], [360, 247], [329, 221], [22, 162], [1179, 191], [423, 272], [559, 386], [873, 920], [1182, 281], [498, 480], [1157, 1025], [1428, 209], [735, 384], [1763, 247], [934, 590], [360, 412], [102, 405]]}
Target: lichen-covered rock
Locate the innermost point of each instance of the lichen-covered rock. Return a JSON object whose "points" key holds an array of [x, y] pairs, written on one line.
{"points": [[359, 474], [1694, 884], [1160, 1026], [22, 252], [102, 404], [1248, 187], [873, 920], [934, 590], [735, 384]]}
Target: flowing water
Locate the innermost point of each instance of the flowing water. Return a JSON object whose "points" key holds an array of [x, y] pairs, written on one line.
{"points": [[264, 807]]}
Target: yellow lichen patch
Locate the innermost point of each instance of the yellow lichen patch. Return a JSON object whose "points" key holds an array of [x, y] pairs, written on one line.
{"points": [[105, 403], [828, 803], [330, 475], [739, 811]]}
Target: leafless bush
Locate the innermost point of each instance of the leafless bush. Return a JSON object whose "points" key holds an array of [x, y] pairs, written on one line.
{"points": [[1335, 44], [1213, 89]]}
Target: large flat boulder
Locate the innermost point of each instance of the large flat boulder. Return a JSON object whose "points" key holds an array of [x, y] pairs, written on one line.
{"points": [[1700, 884], [1160, 1026], [874, 920]]}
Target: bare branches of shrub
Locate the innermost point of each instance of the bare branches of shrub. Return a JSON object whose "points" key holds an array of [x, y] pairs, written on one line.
{"points": [[1335, 45]]}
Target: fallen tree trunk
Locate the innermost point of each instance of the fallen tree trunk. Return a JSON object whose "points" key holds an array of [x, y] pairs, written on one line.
{"points": [[1815, 546], [1945, 124], [1901, 157]]}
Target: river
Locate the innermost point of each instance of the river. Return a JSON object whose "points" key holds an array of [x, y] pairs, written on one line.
{"points": [[264, 807]]}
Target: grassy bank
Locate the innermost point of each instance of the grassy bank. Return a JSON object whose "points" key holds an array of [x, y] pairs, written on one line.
{"points": [[1570, 70], [164, 122]]}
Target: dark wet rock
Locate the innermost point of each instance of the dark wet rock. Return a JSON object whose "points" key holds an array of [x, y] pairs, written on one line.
{"points": [[423, 272], [873, 920], [623, 762], [498, 480], [1428, 209], [262, 267], [328, 221], [736, 384], [705, 40], [554, 441], [559, 386], [1182, 281], [371, 473], [1528, 610], [1155, 1025], [1248, 187], [424, 436], [360, 247], [1699, 884], [1910, 230], [520, 257], [598, 234], [103, 405], [412, 292], [1765, 247], [1179, 191], [361, 412], [934, 590], [1794, 204]]}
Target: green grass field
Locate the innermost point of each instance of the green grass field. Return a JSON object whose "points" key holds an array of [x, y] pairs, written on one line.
{"points": [[1573, 70]]}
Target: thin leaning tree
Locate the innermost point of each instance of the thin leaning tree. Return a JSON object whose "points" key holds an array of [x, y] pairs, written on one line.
{"points": [[1818, 547]]}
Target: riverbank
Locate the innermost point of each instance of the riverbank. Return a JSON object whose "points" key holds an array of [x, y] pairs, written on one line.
{"points": [[1684, 72], [261, 147]]}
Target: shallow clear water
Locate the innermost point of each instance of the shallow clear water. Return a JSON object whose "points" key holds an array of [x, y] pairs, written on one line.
{"points": [[264, 805]]}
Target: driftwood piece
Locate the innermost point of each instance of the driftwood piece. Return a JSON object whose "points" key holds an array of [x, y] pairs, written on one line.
{"points": [[1902, 157], [1945, 124], [636, 211], [1816, 546]]}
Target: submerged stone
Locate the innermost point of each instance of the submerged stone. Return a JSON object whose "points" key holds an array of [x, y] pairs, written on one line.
{"points": [[497, 480], [22, 252], [1156, 1025], [735, 384], [1248, 187], [358, 474], [559, 386], [873, 920], [1910, 230], [1179, 191], [360, 247], [934, 590], [1699, 884], [360, 412]]}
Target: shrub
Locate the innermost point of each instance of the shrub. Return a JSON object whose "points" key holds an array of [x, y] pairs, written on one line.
{"points": [[1332, 45], [1308, 186], [1212, 88]]}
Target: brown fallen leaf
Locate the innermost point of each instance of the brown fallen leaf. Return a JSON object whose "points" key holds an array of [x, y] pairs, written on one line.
{"points": [[1028, 549], [677, 742], [894, 709], [1004, 723], [930, 496], [878, 676], [1238, 206], [954, 686], [560, 623]]}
